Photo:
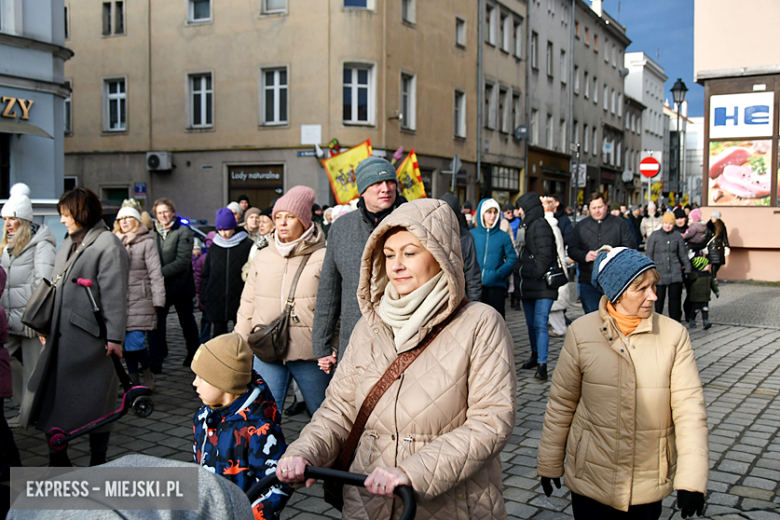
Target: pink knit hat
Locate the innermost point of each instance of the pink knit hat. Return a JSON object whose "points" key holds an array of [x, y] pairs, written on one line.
{"points": [[696, 215], [297, 201]]}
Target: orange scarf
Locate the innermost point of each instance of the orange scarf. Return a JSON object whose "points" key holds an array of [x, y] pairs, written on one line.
{"points": [[626, 324]]}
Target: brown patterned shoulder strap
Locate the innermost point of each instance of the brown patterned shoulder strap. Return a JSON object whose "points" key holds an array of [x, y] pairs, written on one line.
{"points": [[401, 363]]}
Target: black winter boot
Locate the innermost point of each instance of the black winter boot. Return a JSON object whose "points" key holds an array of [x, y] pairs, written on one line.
{"points": [[541, 372], [59, 459], [705, 317], [531, 363], [97, 458]]}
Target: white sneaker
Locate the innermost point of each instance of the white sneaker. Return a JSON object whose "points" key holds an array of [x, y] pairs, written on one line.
{"points": [[15, 422]]}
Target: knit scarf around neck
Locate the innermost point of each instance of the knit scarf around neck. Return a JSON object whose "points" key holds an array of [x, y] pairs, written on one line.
{"points": [[285, 248], [626, 324], [233, 241], [407, 314]]}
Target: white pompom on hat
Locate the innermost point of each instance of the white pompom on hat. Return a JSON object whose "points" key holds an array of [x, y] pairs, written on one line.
{"points": [[18, 205]]}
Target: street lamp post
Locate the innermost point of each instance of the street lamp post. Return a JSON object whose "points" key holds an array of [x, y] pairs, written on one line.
{"points": [[678, 94]]}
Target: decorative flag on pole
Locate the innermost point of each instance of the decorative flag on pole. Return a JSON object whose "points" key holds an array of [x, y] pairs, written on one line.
{"points": [[341, 171], [655, 190], [672, 199], [409, 179], [685, 200]]}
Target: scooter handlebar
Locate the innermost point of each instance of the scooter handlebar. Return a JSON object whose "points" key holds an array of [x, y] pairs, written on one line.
{"points": [[350, 479]]}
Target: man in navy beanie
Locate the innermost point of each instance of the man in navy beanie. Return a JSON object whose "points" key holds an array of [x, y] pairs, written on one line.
{"points": [[337, 292]]}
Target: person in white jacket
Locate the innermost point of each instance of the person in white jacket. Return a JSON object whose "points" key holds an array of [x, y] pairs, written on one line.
{"points": [[652, 221], [567, 295], [28, 250]]}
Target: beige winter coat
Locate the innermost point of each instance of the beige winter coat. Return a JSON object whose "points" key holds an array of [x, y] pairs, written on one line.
{"points": [[445, 421], [145, 285], [627, 413], [268, 287]]}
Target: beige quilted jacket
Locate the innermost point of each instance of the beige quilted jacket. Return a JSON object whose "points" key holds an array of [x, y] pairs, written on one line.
{"points": [[268, 286], [628, 413], [445, 421]]}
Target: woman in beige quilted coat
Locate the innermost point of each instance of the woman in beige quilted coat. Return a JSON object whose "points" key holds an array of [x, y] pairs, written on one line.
{"points": [[145, 291], [626, 421], [441, 426]]}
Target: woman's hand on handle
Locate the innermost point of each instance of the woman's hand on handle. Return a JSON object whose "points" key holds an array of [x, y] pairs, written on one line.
{"points": [[114, 348], [290, 470], [383, 481]]}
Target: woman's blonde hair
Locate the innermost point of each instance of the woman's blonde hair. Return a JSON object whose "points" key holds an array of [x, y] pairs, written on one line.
{"points": [[22, 237]]}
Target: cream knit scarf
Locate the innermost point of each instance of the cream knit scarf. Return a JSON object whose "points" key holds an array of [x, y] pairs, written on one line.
{"points": [[407, 314], [285, 248]]}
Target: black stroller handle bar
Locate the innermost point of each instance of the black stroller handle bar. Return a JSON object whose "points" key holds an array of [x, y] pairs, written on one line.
{"points": [[350, 479]]}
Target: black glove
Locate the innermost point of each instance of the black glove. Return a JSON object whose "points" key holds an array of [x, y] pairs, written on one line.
{"points": [[689, 502], [547, 485]]}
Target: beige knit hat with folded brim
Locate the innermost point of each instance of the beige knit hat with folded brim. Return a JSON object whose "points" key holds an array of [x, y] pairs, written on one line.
{"points": [[225, 362]]}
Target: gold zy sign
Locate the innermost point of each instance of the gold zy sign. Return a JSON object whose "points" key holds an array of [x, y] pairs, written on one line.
{"points": [[10, 107]]}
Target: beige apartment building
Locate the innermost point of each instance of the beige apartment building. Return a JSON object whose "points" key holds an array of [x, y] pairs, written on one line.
{"points": [[741, 79], [202, 101]]}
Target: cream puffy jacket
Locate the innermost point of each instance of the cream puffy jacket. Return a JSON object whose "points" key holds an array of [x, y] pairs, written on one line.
{"points": [[268, 287], [627, 413], [446, 419]]}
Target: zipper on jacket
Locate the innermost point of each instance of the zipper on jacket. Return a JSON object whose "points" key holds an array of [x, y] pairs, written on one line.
{"points": [[484, 259], [374, 437]]}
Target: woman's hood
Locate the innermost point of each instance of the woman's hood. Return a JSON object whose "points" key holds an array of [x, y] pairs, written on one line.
{"points": [[435, 225], [532, 207], [484, 205]]}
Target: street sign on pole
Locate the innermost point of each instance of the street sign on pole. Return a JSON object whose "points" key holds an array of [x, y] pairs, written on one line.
{"points": [[455, 166], [649, 167]]}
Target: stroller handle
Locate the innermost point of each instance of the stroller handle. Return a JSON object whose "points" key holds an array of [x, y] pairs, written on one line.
{"points": [[350, 479]]}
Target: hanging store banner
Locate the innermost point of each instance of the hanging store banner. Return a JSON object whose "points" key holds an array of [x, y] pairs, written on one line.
{"points": [[341, 171], [741, 115]]}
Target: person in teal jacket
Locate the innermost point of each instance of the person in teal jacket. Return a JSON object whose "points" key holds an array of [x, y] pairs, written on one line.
{"points": [[495, 253]]}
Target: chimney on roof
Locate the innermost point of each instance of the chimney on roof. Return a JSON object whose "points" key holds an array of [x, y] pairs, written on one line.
{"points": [[596, 6]]}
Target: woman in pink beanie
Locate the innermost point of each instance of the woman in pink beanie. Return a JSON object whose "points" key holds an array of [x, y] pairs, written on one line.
{"points": [[295, 240]]}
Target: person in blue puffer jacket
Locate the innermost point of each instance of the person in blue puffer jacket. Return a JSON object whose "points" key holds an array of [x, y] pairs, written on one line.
{"points": [[495, 253], [237, 432]]}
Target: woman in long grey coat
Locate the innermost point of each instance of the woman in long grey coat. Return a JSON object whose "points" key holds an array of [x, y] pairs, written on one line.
{"points": [[74, 381]]}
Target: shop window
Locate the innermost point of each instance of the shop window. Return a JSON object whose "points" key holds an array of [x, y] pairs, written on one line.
{"points": [[262, 183]]}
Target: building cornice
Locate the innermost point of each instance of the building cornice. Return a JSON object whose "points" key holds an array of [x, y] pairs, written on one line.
{"points": [[736, 73], [37, 85], [21, 42]]}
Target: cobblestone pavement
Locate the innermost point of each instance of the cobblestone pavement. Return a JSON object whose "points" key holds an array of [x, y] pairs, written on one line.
{"points": [[739, 366]]}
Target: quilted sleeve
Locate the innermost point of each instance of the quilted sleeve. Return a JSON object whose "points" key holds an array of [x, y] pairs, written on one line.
{"points": [[321, 440], [690, 420], [510, 257], [490, 415], [564, 397]]}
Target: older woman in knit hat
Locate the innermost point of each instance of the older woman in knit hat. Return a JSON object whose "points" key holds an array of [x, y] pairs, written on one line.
{"points": [[626, 422], [666, 248], [28, 250], [295, 240]]}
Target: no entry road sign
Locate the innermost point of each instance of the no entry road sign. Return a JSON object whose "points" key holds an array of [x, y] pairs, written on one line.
{"points": [[649, 167]]}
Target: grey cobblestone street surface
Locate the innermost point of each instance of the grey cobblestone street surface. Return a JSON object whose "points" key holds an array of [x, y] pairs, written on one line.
{"points": [[739, 360]]}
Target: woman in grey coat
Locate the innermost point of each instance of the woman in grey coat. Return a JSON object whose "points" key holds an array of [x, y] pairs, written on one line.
{"points": [[28, 252], [666, 248], [74, 381]]}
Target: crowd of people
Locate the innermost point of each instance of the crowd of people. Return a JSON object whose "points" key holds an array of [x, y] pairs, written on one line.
{"points": [[338, 303]]}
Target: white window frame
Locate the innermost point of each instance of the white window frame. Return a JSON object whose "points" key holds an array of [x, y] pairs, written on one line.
{"points": [[576, 79], [587, 85], [595, 140], [506, 32], [492, 24], [109, 99], [277, 89], [606, 50], [585, 139], [612, 99], [595, 90], [68, 109], [503, 110], [264, 9], [618, 154], [549, 58], [191, 93], [410, 115], [534, 50], [410, 8], [370, 5], [614, 60], [490, 105], [191, 20], [459, 114], [620, 105], [606, 98], [460, 32], [113, 18], [517, 34], [517, 110], [371, 68], [564, 66], [576, 132]]}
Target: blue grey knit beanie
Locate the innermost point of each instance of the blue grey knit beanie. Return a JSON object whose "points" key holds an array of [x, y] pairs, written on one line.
{"points": [[372, 171], [615, 270]]}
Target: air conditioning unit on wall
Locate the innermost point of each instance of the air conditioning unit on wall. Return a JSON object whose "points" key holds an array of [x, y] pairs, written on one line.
{"points": [[158, 161]]}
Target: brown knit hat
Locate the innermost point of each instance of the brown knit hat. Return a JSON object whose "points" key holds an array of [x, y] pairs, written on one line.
{"points": [[250, 212], [225, 362], [668, 218], [297, 201]]}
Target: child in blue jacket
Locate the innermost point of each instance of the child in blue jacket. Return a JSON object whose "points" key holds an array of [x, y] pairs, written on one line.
{"points": [[495, 254], [237, 433]]}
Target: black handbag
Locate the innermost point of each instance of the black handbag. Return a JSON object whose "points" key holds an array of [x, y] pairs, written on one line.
{"points": [[40, 307], [270, 342], [555, 277]]}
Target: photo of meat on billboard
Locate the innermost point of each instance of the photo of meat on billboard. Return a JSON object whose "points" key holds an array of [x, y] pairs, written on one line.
{"points": [[740, 173]]}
